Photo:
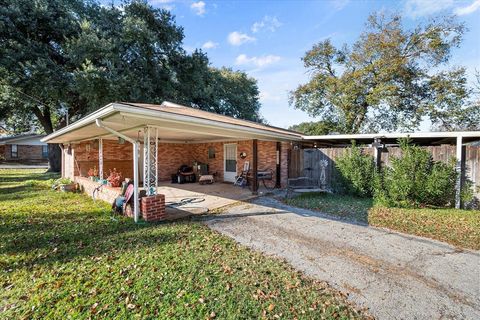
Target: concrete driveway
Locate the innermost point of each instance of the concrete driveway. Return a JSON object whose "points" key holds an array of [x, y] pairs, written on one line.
{"points": [[396, 276]]}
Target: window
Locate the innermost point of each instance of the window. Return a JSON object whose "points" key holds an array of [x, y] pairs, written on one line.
{"points": [[211, 153], [14, 150], [45, 151]]}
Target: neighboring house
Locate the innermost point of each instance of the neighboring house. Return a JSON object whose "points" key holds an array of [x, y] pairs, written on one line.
{"points": [[26, 148]]}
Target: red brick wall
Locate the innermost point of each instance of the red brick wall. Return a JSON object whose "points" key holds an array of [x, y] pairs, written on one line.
{"points": [[115, 155], [172, 155], [153, 208], [25, 153]]}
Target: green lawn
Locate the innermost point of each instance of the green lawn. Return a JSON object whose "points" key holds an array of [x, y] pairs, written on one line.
{"points": [[458, 227], [349, 207], [64, 256]]}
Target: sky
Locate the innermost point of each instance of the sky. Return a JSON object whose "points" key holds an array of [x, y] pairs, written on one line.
{"points": [[267, 39]]}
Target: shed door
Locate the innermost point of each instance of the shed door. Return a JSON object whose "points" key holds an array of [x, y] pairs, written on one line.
{"points": [[230, 162]]}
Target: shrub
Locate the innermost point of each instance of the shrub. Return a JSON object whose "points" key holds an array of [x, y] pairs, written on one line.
{"points": [[414, 179], [357, 171], [440, 185]]}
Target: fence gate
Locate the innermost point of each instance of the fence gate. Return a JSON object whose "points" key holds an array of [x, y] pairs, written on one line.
{"points": [[316, 164]]}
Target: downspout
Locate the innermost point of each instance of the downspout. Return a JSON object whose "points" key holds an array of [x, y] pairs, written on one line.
{"points": [[135, 164]]}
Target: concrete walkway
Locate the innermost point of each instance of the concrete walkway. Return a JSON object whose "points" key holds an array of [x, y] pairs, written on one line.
{"points": [[22, 166], [396, 276]]}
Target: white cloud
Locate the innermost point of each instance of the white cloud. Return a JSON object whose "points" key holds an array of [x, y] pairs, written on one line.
{"points": [[262, 61], [209, 45], [237, 38], [339, 4], [198, 8], [164, 4], [266, 96], [462, 11], [421, 8], [267, 23]]}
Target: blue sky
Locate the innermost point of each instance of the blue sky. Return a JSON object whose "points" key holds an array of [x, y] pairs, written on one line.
{"points": [[267, 38]]}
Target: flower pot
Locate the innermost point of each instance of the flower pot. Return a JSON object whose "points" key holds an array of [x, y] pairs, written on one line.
{"points": [[67, 187]]}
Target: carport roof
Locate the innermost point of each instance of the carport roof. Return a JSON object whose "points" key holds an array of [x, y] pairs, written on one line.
{"points": [[176, 123], [419, 138]]}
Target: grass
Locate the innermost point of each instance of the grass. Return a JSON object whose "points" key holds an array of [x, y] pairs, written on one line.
{"points": [[457, 227], [64, 256], [342, 206]]}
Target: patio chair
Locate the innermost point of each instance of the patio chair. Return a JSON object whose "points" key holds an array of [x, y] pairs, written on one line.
{"points": [[121, 202], [241, 179]]}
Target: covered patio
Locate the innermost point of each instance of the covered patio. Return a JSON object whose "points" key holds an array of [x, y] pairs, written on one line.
{"points": [[148, 143]]}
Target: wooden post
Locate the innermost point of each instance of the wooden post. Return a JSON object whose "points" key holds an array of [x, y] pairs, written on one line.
{"points": [[459, 168], [278, 168], [255, 167], [377, 153]]}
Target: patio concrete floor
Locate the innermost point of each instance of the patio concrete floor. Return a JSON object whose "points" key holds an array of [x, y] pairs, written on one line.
{"points": [[192, 198]]}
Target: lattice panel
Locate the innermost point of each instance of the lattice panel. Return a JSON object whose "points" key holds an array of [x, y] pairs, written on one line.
{"points": [[150, 160]]}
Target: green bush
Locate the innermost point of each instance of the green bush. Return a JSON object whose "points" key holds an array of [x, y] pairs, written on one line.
{"points": [[357, 171], [414, 179]]}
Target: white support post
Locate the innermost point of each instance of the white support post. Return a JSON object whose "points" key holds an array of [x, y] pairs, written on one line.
{"points": [[100, 158], [135, 182], [135, 144], [459, 168], [150, 160]]}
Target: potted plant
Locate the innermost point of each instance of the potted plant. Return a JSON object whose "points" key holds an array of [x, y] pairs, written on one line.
{"points": [[64, 184], [93, 173], [114, 178]]}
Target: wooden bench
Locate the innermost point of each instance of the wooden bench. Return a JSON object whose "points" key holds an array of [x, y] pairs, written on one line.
{"points": [[302, 185]]}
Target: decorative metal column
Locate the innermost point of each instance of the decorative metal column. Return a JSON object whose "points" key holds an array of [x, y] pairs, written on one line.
{"points": [[100, 158], [150, 160]]}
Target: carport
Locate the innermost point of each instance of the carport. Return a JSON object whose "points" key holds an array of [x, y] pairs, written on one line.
{"points": [[146, 126]]}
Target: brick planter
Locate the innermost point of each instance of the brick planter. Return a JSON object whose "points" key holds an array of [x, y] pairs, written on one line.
{"points": [[153, 207]]}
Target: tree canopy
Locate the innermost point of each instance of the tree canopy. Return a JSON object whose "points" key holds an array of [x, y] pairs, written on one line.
{"points": [[390, 79], [66, 58], [316, 128]]}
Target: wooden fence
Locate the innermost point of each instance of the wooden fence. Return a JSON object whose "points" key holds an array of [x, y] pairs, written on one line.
{"points": [[306, 162]]}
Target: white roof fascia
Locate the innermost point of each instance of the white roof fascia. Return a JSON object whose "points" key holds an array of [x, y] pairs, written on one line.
{"points": [[452, 134], [102, 112]]}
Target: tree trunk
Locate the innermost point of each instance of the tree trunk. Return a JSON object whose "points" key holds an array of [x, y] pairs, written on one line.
{"points": [[54, 158]]}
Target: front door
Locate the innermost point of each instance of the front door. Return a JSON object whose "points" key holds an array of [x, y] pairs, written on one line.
{"points": [[230, 162]]}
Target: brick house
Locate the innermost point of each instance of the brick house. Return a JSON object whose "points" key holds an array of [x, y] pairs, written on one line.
{"points": [[150, 142], [26, 149]]}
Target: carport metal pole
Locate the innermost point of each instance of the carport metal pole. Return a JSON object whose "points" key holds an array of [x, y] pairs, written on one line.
{"points": [[136, 212], [100, 158], [135, 144]]}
